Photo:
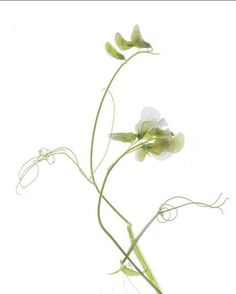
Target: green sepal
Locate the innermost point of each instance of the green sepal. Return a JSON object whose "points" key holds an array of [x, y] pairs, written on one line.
{"points": [[137, 39], [123, 137], [113, 52], [122, 43]]}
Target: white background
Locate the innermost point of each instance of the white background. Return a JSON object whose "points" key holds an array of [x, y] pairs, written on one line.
{"points": [[53, 68]]}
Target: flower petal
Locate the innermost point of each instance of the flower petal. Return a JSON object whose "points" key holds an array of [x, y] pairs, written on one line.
{"points": [[145, 126], [150, 113], [140, 154], [150, 118], [177, 143], [162, 123], [162, 156]]}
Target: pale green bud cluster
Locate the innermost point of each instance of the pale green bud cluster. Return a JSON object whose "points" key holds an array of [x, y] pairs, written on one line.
{"points": [[136, 40]]}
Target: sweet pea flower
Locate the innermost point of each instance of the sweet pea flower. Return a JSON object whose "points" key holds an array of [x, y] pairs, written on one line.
{"points": [[152, 136]]}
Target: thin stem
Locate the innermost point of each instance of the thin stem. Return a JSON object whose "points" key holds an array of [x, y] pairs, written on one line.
{"points": [[150, 281], [109, 170], [141, 258], [111, 131], [162, 211], [132, 246], [95, 127]]}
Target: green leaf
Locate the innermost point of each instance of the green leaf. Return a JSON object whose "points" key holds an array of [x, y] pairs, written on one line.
{"points": [[123, 137], [137, 39], [113, 52], [122, 43]]}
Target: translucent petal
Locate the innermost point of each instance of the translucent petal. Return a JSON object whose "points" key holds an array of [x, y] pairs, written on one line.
{"points": [[159, 146], [162, 123], [140, 154], [146, 126], [162, 156], [150, 113], [177, 143]]}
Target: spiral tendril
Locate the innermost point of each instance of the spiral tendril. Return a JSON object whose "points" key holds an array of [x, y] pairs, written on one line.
{"points": [[168, 212], [31, 167]]}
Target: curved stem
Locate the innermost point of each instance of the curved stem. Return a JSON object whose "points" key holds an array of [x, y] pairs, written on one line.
{"points": [[150, 281], [132, 246], [162, 211], [95, 127], [109, 170]]}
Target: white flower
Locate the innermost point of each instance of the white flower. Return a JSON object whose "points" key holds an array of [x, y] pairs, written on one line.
{"points": [[162, 141], [150, 120], [152, 136]]}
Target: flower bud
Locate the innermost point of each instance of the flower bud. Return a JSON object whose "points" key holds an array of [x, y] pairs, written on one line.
{"points": [[122, 43], [113, 52], [137, 39]]}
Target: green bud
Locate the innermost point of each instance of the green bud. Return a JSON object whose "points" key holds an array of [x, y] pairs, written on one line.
{"points": [[122, 43], [113, 52], [123, 137], [137, 39]]}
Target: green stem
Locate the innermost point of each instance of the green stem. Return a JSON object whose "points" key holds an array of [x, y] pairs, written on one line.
{"points": [[141, 258], [95, 127], [151, 281], [160, 211], [101, 196], [135, 240]]}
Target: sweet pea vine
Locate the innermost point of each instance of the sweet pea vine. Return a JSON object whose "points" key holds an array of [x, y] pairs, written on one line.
{"points": [[151, 137]]}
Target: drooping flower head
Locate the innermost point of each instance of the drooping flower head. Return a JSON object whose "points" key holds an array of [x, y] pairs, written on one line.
{"points": [[152, 136]]}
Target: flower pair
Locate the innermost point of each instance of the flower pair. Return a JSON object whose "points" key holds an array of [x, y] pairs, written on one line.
{"points": [[152, 137]]}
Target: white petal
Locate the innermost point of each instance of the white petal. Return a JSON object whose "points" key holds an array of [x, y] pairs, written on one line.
{"points": [[177, 143], [140, 154], [162, 156], [161, 123], [149, 114]]}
